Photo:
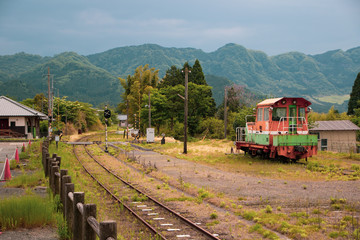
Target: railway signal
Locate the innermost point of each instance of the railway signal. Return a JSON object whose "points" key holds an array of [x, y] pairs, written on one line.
{"points": [[107, 115]]}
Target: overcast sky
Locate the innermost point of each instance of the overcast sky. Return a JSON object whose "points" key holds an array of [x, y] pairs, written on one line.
{"points": [[49, 27]]}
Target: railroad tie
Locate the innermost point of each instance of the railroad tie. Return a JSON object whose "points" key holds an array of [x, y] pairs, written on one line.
{"points": [[166, 224]]}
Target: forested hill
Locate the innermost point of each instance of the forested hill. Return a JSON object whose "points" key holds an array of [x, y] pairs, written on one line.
{"points": [[287, 74], [93, 78], [73, 75]]}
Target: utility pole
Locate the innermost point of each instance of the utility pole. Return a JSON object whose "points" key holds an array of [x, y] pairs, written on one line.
{"points": [[149, 111], [186, 110], [225, 113], [58, 115], [127, 118], [49, 103]]}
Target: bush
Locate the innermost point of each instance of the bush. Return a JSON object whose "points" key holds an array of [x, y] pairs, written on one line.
{"points": [[212, 127]]}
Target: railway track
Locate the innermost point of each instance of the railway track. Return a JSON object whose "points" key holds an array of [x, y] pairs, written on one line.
{"points": [[162, 221]]}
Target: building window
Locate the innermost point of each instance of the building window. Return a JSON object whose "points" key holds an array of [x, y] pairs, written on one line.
{"points": [[12, 124], [323, 144]]}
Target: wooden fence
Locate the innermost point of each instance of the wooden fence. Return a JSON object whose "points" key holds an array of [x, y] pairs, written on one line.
{"points": [[80, 217]]}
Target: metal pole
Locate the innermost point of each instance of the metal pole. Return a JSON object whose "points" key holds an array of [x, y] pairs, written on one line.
{"points": [[149, 111], [49, 103], [127, 119], [186, 110], [106, 144], [225, 112]]}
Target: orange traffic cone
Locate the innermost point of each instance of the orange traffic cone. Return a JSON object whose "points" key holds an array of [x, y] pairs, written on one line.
{"points": [[17, 155], [7, 175]]}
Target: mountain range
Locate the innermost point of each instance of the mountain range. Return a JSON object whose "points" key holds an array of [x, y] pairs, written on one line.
{"points": [[324, 79]]}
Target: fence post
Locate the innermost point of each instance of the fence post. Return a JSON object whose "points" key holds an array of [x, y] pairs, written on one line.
{"points": [[47, 156], [56, 180], [88, 232], [52, 176], [63, 172], [58, 159], [79, 197], [65, 179], [49, 161], [108, 229], [69, 187]]}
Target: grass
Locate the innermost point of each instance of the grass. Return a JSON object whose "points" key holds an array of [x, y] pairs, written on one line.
{"points": [[25, 212], [27, 180], [339, 99]]}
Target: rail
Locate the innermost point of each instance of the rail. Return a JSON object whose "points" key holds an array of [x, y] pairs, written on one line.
{"points": [[80, 217], [179, 216]]}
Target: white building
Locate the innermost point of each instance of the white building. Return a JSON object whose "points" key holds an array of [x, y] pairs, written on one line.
{"points": [[18, 120]]}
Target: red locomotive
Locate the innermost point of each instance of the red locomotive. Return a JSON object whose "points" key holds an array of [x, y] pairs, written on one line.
{"points": [[280, 130]]}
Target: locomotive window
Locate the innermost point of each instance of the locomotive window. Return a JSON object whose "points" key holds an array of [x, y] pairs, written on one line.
{"points": [[260, 114], [278, 113], [302, 114], [266, 114]]}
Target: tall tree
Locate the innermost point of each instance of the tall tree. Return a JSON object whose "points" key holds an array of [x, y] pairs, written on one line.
{"points": [[172, 78], [135, 86], [197, 76], [354, 96]]}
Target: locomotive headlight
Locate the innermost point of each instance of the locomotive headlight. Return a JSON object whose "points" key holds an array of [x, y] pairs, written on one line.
{"points": [[294, 101]]}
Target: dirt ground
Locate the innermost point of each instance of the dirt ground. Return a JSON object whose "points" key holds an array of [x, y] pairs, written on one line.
{"points": [[45, 233], [253, 189]]}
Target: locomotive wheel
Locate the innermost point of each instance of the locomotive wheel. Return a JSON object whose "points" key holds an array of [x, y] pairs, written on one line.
{"points": [[253, 153]]}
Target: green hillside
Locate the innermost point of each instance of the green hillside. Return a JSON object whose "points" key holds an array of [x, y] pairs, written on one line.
{"points": [[290, 74], [93, 78], [73, 75]]}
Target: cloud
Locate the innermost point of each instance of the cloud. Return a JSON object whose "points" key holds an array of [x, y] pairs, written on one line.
{"points": [[96, 17]]}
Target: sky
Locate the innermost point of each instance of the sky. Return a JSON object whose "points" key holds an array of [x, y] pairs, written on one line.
{"points": [[49, 27]]}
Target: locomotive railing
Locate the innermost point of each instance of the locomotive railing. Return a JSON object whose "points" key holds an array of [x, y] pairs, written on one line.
{"points": [[285, 123]]}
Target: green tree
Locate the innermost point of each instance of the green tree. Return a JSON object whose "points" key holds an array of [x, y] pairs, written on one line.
{"points": [[135, 86], [159, 109], [354, 96], [172, 78], [197, 76]]}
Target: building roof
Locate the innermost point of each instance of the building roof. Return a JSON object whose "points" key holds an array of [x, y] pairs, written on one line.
{"points": [[338, 125], [11, 108]]}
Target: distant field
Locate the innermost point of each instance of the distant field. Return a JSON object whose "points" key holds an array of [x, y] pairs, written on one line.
{"points": [[339, 99]]}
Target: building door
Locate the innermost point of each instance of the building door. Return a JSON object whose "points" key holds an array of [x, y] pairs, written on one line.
{"points": [[4, 123], [324, 144], [292, 119]]}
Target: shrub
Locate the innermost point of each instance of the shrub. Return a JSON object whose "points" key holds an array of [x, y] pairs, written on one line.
{"points": [[213, 215], [268, 209], [249, 215]]}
